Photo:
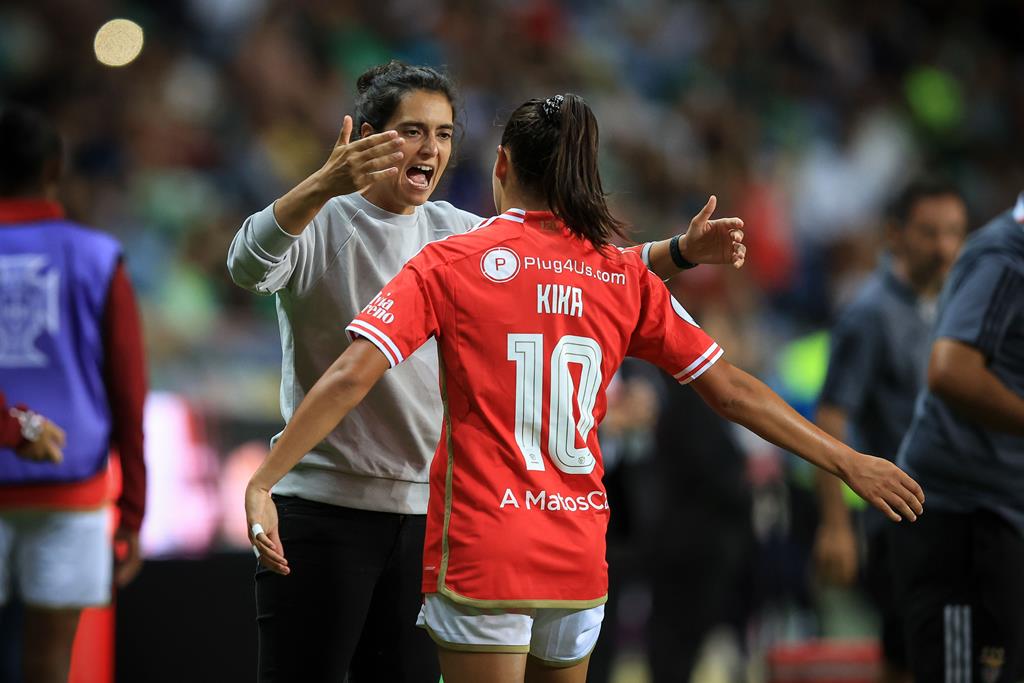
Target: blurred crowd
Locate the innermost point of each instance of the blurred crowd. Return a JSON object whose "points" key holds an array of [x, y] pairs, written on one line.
{"points": [[805, 118]]}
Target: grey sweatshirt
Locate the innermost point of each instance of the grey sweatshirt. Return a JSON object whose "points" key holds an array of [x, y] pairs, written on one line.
{"points": [[378, 457]]}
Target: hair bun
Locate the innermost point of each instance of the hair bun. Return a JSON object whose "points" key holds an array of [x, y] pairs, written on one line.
{"points": [[370, 75]]}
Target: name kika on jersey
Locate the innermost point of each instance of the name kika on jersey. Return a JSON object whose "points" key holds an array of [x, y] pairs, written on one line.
{"points": [[380, 307], [560, 300], [554, 502]]}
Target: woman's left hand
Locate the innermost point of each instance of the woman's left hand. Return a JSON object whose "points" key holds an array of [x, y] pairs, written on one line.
{"points": [[260, 509], [714, 241]]}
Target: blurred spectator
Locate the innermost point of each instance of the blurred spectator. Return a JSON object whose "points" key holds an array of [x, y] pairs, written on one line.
{"points": [[71, 346], [958, 570], [876, 368], [701, 543]]}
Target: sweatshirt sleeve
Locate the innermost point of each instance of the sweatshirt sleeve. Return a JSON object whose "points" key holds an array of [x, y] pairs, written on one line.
{"points": [[265, 259], [261, 257]]}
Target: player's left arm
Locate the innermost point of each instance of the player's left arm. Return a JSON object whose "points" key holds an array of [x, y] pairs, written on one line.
{"points": [[337, 392], [745, 400], [708, 240]]}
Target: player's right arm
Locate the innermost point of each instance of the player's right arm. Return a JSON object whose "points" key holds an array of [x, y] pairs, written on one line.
{"points": [[379, 342], [337, 392], [258, 258], [743, 399]]}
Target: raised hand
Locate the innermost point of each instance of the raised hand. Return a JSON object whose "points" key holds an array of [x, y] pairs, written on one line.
{"points": [[885, 486], [355, 165], [714, 240]]}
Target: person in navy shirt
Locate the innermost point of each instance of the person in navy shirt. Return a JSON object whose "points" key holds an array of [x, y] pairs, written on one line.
{"points": [[877, 364], [959, 571]]}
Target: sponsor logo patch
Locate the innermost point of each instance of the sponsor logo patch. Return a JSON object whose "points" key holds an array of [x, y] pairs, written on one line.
{"points": [[500, 264]]}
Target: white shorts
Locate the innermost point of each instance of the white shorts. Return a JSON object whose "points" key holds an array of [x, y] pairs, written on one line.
{"points": [[56, 558], [558, 637]]}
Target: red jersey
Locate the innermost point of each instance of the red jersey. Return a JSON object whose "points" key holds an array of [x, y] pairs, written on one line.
{"points": [[531, 323]]}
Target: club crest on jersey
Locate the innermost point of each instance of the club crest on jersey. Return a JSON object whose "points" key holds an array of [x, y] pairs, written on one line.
{"points": [[500, 264]]}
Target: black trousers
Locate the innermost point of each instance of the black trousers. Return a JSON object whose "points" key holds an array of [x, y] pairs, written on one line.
{"points": [[878, 584], [349, 604], [959, 579]]}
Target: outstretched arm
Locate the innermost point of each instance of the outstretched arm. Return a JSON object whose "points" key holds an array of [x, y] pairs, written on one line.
{"points": [[258, 258], [714, 241], [352, 166], [337, 392], [741, 398]]}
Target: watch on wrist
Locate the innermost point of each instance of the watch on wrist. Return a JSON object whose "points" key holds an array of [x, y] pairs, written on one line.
{"points": [[31, 423]]}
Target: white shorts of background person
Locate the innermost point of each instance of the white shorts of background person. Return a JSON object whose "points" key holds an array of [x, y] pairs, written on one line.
{"points": [[558, 637], [56, 559]]}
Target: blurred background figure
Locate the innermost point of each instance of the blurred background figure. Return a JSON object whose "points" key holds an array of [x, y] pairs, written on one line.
{"points": [[71, 346], [879, 351], [958, 575], [805, 119]]}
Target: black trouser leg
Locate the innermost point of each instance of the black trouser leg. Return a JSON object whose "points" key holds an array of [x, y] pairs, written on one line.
{"points": [[392, 647], [958, 578], [311, 621]]}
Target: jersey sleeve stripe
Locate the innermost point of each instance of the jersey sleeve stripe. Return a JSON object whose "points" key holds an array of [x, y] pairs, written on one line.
{"points": [[695, 364], [378, 339], [702, 369], [645, 254]]}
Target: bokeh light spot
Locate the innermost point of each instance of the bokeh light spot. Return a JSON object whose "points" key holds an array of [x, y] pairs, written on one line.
{"points": [[118, 42]]}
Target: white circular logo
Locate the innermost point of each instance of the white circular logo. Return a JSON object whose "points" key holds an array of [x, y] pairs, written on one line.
{"points": [[499, 264]]}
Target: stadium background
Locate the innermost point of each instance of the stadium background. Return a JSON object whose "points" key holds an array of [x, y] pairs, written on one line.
{"points": [[805, 118]]}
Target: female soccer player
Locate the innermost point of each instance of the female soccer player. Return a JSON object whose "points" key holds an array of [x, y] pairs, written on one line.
{"points": [[353, 510], [533, 312]]}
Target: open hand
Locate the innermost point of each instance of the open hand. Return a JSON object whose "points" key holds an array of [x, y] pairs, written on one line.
{"points": [[355, 165], [885, 486], [714, 241], [260, 509]]}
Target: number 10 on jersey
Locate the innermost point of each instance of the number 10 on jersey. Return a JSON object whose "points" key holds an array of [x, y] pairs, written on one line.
{"points": [[527, 352]]}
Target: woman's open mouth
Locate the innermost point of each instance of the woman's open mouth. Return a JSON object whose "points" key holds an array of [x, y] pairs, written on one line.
{"points": [[419, 176]]}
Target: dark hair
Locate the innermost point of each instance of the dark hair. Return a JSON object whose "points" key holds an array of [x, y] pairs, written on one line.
{"points": [[28, 142], [553, 144], [924, 187], [381, 89]]}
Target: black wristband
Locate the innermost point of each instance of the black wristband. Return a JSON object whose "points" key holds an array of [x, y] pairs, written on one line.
{"points": [[677, 256]]}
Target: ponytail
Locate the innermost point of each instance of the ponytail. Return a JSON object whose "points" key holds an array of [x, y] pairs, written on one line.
{"points": [[554, 149]]}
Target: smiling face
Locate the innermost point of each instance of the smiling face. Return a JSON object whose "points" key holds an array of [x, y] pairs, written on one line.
{"points": [[425, 121]]}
